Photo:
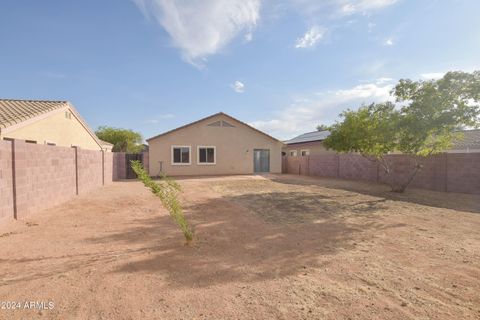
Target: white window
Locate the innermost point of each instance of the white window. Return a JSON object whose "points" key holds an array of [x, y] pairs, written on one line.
{"points": [[181, 155], [293, 153], [206, 155], [305, 152]]}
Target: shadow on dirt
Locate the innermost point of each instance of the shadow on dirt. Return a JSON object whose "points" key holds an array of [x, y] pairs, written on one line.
{"points": [[234, 244], [454, 201]]}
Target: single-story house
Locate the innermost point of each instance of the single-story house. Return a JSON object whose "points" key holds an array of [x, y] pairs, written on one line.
{"points": [[311, 143], [306, 144], [47, 122], [215, 145], [469, 143]]}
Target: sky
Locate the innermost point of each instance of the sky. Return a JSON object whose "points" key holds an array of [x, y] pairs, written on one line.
{"points": [[282, 66]]}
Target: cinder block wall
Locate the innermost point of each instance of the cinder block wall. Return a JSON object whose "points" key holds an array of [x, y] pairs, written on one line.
{"points": [[44, 176], [119, 166], [90, 166], [6, 187], [451, 172], [35, 177]]}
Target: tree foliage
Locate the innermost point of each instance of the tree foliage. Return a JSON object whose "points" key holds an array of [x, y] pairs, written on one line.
{"points": [[322, 127], [422, 123], [123, 140]]}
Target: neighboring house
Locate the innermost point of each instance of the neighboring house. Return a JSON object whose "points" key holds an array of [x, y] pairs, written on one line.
{"points": [[309, 143], [215, 145], [470, 142], [107, 146], [46, 122]]}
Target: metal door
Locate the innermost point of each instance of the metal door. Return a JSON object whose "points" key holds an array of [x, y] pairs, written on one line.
{"points": [[261, 160], [130, 174]]}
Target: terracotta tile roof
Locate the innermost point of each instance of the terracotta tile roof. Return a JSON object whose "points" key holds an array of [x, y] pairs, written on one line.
{"points": [[16, 111]]}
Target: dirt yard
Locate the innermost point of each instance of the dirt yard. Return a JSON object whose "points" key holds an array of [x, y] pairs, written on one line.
{"points": [[277, 247]]}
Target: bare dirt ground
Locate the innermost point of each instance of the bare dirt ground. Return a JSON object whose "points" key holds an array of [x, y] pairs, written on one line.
{"points": [[276, 247]]}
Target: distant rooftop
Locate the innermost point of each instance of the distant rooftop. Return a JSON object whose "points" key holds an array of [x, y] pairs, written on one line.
{"points": [[470, 141], [309, 137]]}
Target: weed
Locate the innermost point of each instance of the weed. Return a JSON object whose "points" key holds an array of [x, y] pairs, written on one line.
{"points": [[167, 191]]}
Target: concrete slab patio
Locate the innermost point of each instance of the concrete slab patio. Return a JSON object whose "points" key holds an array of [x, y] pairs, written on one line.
{"points": [[267, 247]]}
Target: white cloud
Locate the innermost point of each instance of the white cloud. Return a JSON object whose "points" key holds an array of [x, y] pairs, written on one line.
{"points": [[238, 87], [389, 42], [305, 114], [310, 38], [363, 6], [433, 75], [200, 28], [383, 80]]}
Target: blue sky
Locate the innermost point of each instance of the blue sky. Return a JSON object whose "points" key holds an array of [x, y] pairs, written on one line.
{"points": [[282, 66]]}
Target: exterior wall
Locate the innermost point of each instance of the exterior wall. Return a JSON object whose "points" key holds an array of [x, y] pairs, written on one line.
{"points": [[452, 172], [35, 177], [119, 166], [54, 127], [108, 167], [234, 148], [44, 176], [89, 166], [6, 180], [315, 148]]}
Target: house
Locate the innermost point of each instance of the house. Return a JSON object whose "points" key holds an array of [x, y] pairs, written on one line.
{"points": [[470, 142], [215, 145], [310, 143], [47, 122], [306, 144]]}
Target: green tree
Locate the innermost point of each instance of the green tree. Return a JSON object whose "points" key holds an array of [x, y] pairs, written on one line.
{"points": [[322, 127], [123, 140], [423, 122]]}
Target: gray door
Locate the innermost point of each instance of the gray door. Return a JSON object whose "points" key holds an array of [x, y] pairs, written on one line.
{"points": [[261, 160]]}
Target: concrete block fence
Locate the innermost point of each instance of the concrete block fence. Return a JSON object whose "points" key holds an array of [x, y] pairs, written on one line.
{"points": [[34, 177], [448, 172]]}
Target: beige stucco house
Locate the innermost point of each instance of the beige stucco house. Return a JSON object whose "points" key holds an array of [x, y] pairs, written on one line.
{"points": [[215, 145], [306, 144], [47, 122]]}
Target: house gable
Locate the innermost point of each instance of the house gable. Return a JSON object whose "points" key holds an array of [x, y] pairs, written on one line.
{"points": [[60, 125], [219, 119]]}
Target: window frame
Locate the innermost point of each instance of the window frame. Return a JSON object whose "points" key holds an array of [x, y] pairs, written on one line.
{"points": [[207, 163], [290, 153], [307, 152], [181, 163]]}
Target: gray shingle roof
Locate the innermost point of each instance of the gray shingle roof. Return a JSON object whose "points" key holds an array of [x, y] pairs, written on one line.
{"points": [[470, 141], [16, 111], [309, 137]]}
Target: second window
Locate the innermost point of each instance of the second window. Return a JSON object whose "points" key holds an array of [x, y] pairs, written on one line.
{"points": [[206, 155]]}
